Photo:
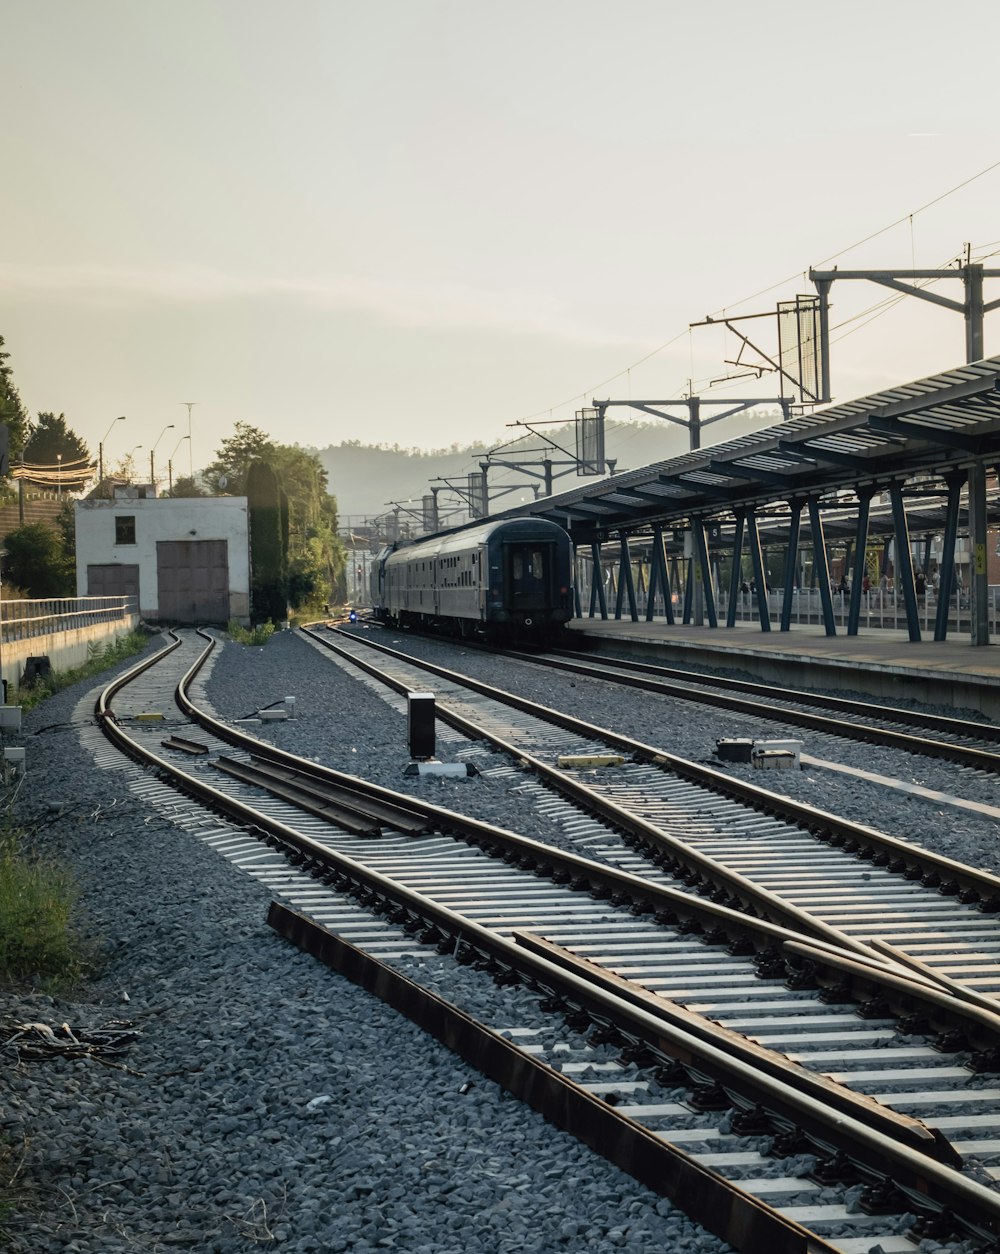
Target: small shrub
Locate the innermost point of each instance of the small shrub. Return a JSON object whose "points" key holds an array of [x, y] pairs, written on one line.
{"points": [[38, 942], [12, 1192], [101, 658], [258, 634]]}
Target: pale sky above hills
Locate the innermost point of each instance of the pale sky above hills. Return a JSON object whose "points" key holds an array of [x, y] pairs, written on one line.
{"points": [[417, 221]]}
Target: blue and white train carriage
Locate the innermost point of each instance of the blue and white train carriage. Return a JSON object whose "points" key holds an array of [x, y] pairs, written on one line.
{"points": [[505, 579]]}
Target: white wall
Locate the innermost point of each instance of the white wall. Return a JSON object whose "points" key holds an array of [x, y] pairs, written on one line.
{"points": [[185, 518]]}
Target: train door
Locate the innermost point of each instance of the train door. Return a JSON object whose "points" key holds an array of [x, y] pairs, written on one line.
{"points": [[529, 576]]}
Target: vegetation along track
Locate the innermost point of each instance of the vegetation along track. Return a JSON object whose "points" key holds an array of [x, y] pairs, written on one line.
{"points": [[647, 933]]}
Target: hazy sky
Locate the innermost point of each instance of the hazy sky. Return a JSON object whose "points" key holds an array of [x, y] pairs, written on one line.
{"points": [[416, 221]]}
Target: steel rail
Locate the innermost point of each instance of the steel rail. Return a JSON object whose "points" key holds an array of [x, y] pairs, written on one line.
{"points": [[912, 718], [482, 939], [720, 1206], [950, 877], [872, 965], [881, 1155], [977, 1205], [584, 872]]}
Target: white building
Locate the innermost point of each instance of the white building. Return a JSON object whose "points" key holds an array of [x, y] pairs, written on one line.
{"points": [[185, 560]]}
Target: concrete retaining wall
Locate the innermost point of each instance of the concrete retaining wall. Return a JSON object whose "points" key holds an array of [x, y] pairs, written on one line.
{"points": [[64, 649]]}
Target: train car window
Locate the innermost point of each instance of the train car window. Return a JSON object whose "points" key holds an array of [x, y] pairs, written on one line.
{"points": [[528, 576]]}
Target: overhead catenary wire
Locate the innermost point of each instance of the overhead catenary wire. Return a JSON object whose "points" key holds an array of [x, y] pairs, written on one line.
{"points": [[586, 393]]}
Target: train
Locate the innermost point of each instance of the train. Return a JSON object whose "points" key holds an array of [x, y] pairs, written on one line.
{"points": [[508, 579]]}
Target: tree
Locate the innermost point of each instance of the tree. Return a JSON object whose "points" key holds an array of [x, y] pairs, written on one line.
{"points": [[57, 452], [12, 411], [315, 554], [233, 458], [38, 562], [50, 436], [268, 558], [186, 485]]}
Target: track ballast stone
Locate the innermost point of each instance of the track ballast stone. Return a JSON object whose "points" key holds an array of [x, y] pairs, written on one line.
{"points": [[201, 1136]]}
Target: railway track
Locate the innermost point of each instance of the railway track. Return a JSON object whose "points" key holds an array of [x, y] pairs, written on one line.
{"points": [[428, 873], [965, 743], [731, 837]]}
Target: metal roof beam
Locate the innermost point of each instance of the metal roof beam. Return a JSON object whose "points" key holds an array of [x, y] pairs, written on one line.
{"points": [[852, 461], [660, 498], [933, 435], [770, 477], [941, 396]]}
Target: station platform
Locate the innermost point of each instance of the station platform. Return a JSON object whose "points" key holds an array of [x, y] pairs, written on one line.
{"points": [[880, 662]]}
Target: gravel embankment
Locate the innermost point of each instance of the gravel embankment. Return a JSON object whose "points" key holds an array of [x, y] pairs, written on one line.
{"points": [[204, 1139]]}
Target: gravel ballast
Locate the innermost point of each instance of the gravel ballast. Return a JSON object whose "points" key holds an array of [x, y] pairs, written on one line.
{"points": [[203, 1137], [207, 1135]]}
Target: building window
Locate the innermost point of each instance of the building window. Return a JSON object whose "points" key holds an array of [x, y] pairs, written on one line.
{"points": [[125, 529]]}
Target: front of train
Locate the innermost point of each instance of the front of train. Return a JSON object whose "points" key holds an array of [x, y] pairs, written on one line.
{"points": [[530, 595]]}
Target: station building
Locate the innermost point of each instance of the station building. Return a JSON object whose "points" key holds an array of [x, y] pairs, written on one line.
{"points": [[184, 560]]}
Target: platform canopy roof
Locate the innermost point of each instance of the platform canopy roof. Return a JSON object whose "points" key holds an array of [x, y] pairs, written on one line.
{"points": [[931, 427]]}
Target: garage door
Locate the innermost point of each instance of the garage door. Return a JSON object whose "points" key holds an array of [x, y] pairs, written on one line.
{"points": [[113, 580], [192, 580]]}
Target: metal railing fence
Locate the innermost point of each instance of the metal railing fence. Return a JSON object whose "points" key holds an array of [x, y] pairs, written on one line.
{"points": [[22, 619]]}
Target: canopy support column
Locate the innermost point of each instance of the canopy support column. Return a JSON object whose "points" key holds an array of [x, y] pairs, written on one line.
{"points": [[791, 562], [904, 560], [625, 583], [759, 577], [821, 566], [659, 581], [860, 558], [977, 542], [737, 561], [597, 584], [946, 570], [701, 548]]}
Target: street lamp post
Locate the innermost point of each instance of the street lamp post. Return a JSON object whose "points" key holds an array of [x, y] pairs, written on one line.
{"points": [[100, 450], [59, 476], [152, 475], [170, 463], [190, 405]]}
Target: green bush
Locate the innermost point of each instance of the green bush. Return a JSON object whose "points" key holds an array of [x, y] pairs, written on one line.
{"points": [[258, 634], [38, 943]]}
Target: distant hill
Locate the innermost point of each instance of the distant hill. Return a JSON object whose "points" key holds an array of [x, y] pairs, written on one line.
{"points": [[366, 478]]}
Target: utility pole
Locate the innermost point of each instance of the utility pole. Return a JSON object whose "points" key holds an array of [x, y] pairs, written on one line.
{"points": [[190, 405], [974, 309], [693, 404]]}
